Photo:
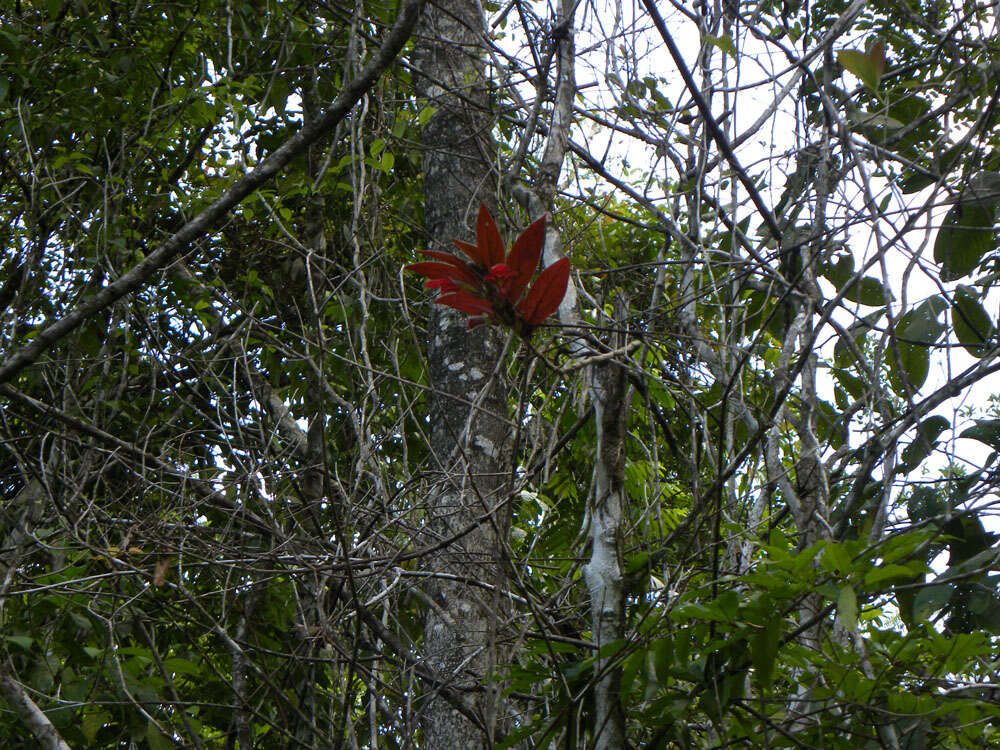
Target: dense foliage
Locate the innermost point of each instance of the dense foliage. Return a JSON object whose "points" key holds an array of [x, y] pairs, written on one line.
{"points": [[214, 485]]}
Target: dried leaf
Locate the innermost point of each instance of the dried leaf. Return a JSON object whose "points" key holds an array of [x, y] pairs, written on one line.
{"points": [[877, 56], [160, 571]]}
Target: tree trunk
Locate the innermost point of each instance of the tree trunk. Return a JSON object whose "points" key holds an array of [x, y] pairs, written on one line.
{"points": [[468, 427], [603, 572]]}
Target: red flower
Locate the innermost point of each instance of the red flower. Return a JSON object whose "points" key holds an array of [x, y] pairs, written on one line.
{"points": [[492, 287]]}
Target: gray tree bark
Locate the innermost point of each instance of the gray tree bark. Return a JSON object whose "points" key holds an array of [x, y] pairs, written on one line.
{"points": [[45, 734], [467, 506]]}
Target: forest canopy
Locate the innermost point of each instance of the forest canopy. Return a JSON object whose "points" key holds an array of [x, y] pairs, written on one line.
{"points": [[445, 374]]}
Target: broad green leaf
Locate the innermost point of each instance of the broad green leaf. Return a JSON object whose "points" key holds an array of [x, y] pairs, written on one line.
{"points": [[92, 722], [973, 326], [855, 386], [21, 641], [764, 651], [985, 431], [925, 503], [873, 124], [840, 271], [941, 165], [728, 603], [862, 66], [930, 599], [755, 311], [842, 353], [836, 559], [663, 659], [915, 362], [983, 189], [830, 426], [156, 739], [425, 114], [965, 236], [923, 444], [725, 43], [866, 291], [179, 665], [915, 332], [847, 607], [891, 572], [631, 669]]}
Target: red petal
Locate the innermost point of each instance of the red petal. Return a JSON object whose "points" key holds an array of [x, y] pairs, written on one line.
{"points": [[488, 238], [434, 270], [546, 294], [476, 320], [467, 303], [523, 257], [473, 252]]}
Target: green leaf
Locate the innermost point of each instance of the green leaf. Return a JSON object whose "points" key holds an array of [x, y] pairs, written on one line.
{"points": [[930, 599], [839, 272], [842, 354], [985, 431], [983, 189], [915, 332], [971, 322], [863, 65], [890, 572], [922, 445], [847, 607], [915, 361], [179, 665], [764, 651], [941, 165], [92, 722], [425, 114], [836, 559], [965, 236], [728, 603], [866, 291], [156, 739], [725, 43], [21, 641], [873, 124], [855, 386], [830, 425], [663, 659]]}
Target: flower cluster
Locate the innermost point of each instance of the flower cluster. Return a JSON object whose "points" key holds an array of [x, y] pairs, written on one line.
{"points": [[494, 286]]}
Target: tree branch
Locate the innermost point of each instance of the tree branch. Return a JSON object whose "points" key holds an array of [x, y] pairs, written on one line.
{"points": [[204, 222], [30, 714]]}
